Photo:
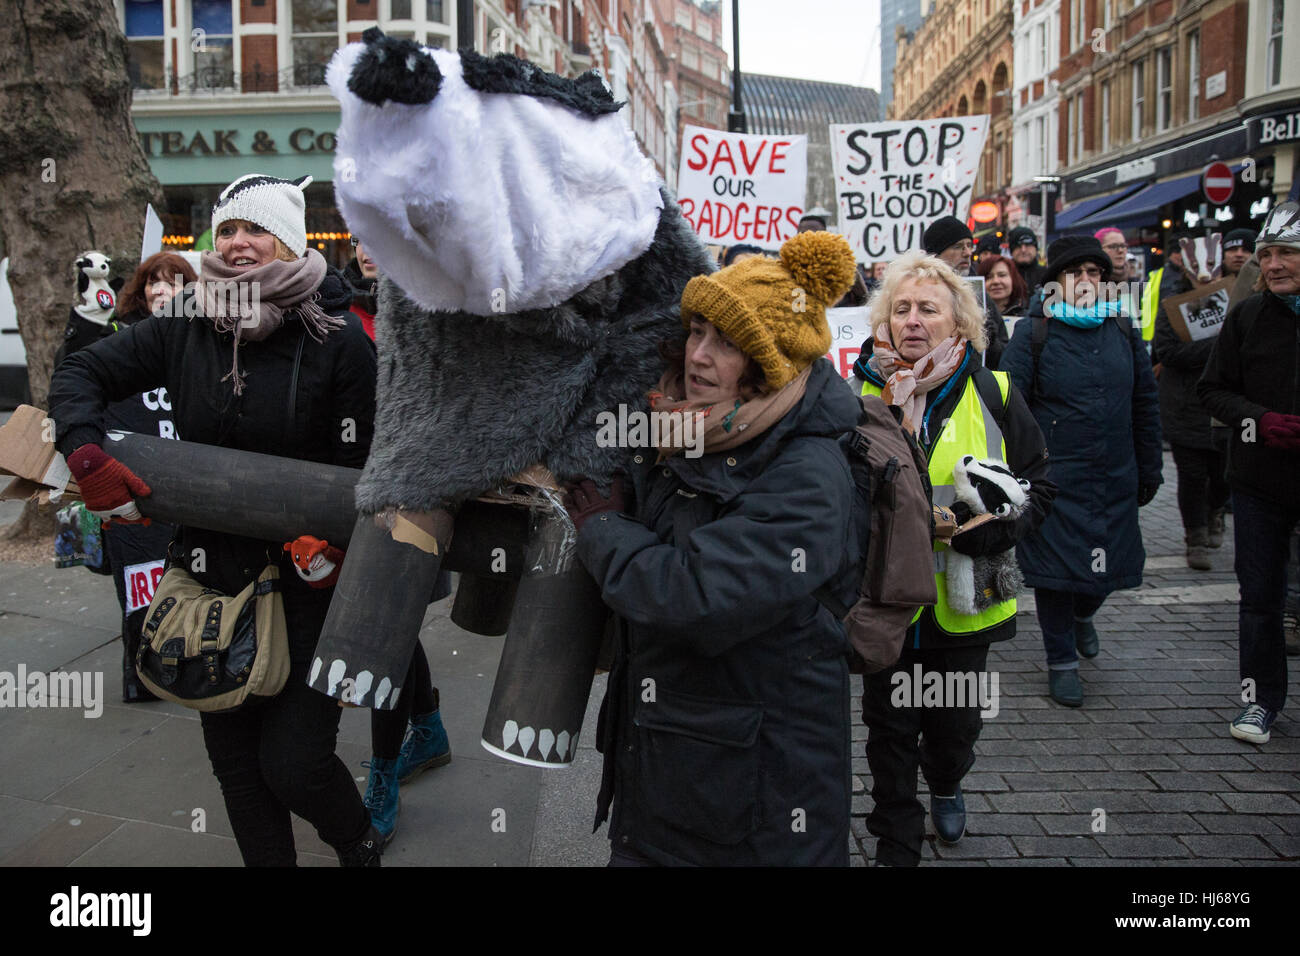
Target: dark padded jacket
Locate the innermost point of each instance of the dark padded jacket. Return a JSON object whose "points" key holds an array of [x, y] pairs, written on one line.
{"points": [[1096, 404], [1255, 368], [336, 383], [725, 728], [1183, 419]]}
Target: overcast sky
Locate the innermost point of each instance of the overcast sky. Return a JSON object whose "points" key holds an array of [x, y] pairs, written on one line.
{"points": [[831, 40]]}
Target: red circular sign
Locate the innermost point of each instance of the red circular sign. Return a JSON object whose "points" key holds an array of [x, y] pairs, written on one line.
{"points": [[1217, 183], [985, 211]]}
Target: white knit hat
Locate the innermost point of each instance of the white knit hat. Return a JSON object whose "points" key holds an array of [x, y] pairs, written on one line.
{"points": [[1281, 228], [277, 205]]}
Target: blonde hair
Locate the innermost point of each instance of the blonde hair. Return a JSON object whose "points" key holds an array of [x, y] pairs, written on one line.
{"points": [[917, 265], [283, 252]]}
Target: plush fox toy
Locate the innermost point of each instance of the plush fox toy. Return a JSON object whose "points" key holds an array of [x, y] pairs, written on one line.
{"points": [[316, 561], [984, 487]]}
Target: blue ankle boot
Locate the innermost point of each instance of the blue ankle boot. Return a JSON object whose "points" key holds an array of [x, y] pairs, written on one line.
{"points": [[381, 797], [425, 747]]}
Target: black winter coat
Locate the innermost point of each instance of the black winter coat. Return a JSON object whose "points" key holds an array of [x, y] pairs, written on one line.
{"points": [[1255, 368], [1096, 404], [336, 382], [1026, 455], [996, 331], [725, 728], [1183, 419]]}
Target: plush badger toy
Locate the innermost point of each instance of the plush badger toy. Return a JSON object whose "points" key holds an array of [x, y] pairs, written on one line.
{"points": [[532, 263], [92, 311], [984, 487]]}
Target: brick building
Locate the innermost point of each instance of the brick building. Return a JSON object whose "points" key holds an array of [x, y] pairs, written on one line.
{"points": [[958, 63], [1149, 96]]}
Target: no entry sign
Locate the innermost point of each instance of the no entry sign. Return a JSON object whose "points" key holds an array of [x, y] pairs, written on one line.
{"points": [[1217, 183]]}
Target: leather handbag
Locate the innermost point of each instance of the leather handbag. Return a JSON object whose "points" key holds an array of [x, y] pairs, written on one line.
{"points": [[212, 652]]}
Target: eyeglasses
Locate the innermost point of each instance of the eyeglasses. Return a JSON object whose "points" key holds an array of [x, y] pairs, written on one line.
{"points": [[1116, 247]]}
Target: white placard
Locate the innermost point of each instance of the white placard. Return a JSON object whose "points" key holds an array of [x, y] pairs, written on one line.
{"points": [[153, 233], [742, 188], [893, 179]]}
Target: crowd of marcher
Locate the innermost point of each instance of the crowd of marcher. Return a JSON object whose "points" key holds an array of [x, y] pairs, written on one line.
{"points": [[714, 565]]}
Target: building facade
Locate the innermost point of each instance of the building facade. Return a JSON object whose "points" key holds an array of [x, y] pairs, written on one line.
{"points": [[899, 19], [1150, 94], [1271, 107], [227, 87], [958, 63], [1034, 108]]}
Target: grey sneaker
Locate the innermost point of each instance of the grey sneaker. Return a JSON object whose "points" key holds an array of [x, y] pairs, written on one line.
{"points": [[1214, 533], [1253, 723]]}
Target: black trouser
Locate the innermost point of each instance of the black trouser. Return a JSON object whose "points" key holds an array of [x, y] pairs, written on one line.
{"points": [[418, 697], [1202, 485], [1261, 536], [940, 740], [275, 758]]}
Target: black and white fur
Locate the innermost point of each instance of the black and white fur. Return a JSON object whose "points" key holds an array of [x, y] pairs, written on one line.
{"points": [[984, 487], [95, 298], [532, 260]]}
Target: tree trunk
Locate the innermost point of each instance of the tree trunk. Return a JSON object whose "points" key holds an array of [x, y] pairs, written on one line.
{"points": [[72, 174]]}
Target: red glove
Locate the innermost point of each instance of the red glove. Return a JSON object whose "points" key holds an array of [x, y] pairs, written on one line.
{"points": [[1280, 430], [108, 487], [584, 500], [317, 562]]}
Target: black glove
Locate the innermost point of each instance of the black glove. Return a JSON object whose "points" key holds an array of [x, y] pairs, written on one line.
{"points": [[585, 501], [1146, 492], [988, 538]]}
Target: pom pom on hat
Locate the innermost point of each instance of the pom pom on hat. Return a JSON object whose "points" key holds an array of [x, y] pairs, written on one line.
{"points": [[775, 310], [822, 264]]}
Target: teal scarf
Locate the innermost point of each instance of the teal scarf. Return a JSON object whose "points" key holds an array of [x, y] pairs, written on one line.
{"points": [[1293, 301], [1086, 318]]}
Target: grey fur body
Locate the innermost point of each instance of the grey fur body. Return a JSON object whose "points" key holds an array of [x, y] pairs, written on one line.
{"points": [[465, 402]]}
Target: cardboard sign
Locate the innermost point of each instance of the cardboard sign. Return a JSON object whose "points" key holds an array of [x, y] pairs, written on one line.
{"points": [[1199, 314], [27, 449], [893, 179], [737, 187]]}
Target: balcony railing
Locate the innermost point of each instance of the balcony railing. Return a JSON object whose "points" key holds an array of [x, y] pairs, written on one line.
{"points": [[215, 79]]}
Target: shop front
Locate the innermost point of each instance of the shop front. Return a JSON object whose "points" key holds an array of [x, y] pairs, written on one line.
{"points": [[196, 155]]}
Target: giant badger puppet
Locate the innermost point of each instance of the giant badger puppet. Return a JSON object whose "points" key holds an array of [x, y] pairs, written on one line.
{"points": [[533, 262]]}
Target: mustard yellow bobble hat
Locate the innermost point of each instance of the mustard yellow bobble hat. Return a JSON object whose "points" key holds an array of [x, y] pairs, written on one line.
{"points": [[775, 310]]}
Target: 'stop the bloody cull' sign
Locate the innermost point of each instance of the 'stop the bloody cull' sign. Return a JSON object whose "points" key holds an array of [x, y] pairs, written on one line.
{"points": [[737, 187], [894, 179]]}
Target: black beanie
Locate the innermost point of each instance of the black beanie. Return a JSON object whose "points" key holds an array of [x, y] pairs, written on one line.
{"points": [[1240, 237], [943, 233]]}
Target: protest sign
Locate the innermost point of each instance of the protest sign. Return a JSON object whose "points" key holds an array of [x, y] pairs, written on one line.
{"points": [[1199, 314], [850, 327], [893, 179], [734, 187]]}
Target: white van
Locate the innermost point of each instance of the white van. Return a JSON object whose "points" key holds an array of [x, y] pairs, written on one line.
{"points": [[13, 355]]}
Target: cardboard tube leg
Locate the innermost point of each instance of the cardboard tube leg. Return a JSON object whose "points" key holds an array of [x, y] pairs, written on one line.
{"points": [[547, 665], [370, 632], [483, 604]]}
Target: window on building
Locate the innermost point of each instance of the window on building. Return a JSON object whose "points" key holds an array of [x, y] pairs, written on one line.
{"points": [[1273, 65], [1105, 116], [1040, 140], [1139, 98], [1194, 75], [1078, 127], [435, 12], [684, 17], [690, 59], [1164, 88], [144, 44], [213, 43], [315, 37], [1105, 14], [397, 9], [704, 30], [1072, 105], [1078, 25], [1041, 46]]}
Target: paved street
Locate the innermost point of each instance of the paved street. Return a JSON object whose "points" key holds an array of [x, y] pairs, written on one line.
{"points": [[1150, 748]]}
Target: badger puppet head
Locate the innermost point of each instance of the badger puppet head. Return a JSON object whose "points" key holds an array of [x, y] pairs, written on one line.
{"points": [[532, 264], [1202, 258], [984, 487]]}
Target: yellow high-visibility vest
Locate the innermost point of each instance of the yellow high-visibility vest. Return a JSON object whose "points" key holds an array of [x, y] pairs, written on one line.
{"points": [[971, 429], [1150, 304]]}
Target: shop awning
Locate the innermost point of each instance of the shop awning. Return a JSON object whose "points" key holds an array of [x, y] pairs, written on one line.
{"points": [[1086, 207], [1137, 209]]}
